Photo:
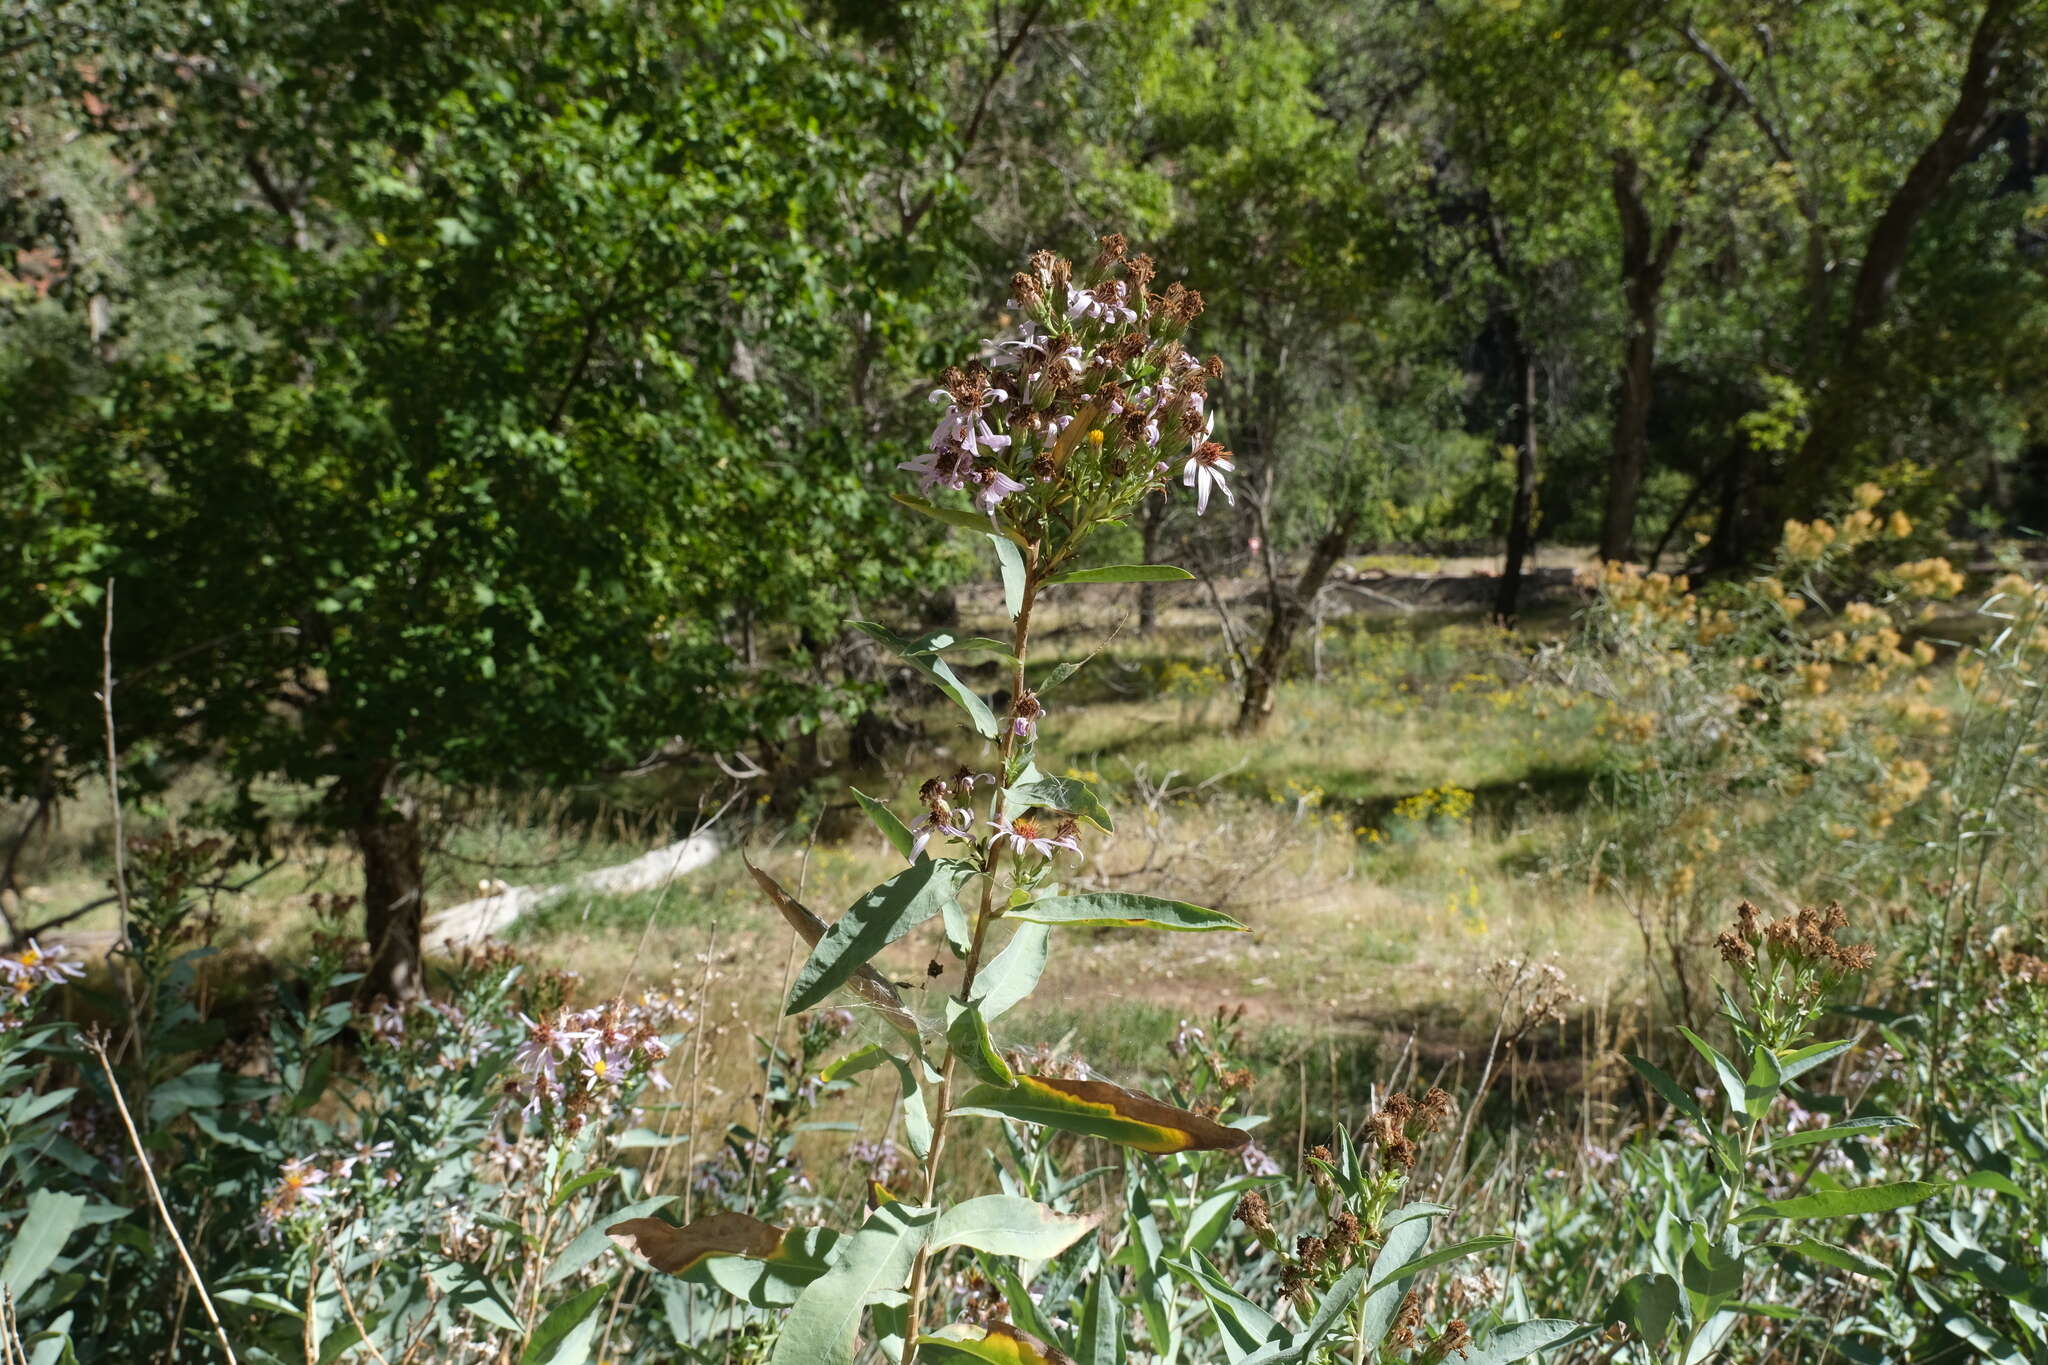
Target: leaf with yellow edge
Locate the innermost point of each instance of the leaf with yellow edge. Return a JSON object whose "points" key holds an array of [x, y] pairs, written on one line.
{"points": [[1123, 910], [1099, 1109], [677, 1249], [997, 1344]]}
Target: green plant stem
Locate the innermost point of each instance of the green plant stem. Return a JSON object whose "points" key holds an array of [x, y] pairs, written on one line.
{"points": [[984, 916]]}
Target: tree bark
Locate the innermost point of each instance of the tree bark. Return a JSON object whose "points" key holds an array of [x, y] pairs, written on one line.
{"points": [[1522, 512], [1644, 261], [1961, 136], [387, 836], [1290, 609], [1153, 522]]}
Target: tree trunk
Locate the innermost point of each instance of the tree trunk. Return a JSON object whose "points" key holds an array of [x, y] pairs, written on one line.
{"points": [[1153, 523], [1290, 608], [1522, 513], [1643, 265], [1969, 123], [387, 835]]}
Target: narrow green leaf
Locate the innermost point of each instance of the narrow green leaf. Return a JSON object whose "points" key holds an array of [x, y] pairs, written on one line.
{"points": [[1840, 1132], [1797, 1063], [1012, 561], [1519, 1340], [895, 831], [1428, 1260], [871, 924], [1740, 1092], [40, 1238], [952, 516], [1101, 1339], [823, 1327], [1123, 573], [920, 657], [1668, 1088], [1058, 793], [967, 1037], [1006, 1225], [917, 1124], [1303, 1346], [551, 1342], [580, 1184], [1841, 1258], [1844, 1203], [1013, 974], [1122, 910]]}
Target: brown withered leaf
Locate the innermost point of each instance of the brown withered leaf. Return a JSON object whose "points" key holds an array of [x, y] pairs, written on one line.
{"points": [[676, 1249], [871, 984]]}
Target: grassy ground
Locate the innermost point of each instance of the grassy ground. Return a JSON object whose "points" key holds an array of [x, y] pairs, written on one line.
{"points": [[1387, 836]]}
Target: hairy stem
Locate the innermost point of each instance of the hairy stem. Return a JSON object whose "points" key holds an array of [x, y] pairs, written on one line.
{"points": [[985, 915]]}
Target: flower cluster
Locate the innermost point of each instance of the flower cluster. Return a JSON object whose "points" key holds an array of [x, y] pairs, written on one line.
{"points": [[572, 1060], [305, 1185], [1805, 937], [946, 808], [1099, 399], [23, 972], [1395, 1125]]}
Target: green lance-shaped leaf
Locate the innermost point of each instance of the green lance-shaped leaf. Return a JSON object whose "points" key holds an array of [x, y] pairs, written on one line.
{"points": [[39, 1238], [894, 830], [1646, 1304], [1797, 1063], [872, 923], [1122, 910], [823, 1327], [1840, 1257], [952, 516], [564, 1336], [1840, 1132], [917, 1123], [1844, 1203], [1012, 561], [1243, 1324], [868, 983], [1407, 1232], [1013, 974], [1034, 788], [679, 1250], [997, 1344], [1099, 1109], [1102, 1319], [1746, 1098], [1303, 1346], [1007, 1225], [967, 1036], [920, 656], [1123, 573], [1669, 1089], [1431, 1259], [1519, 1340]]}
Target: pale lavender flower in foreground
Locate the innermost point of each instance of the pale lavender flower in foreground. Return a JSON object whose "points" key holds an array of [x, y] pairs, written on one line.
{"points": [[1030, 833], [36, 963], [547, 1045], [606, 1058], [995, 485], [963, 426], [933, 822], [1204, 471], [948, 468]]}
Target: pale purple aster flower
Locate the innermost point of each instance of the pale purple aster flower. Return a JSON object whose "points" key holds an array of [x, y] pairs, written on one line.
{"points": [[937, 820], [995, 485], [1030, 833], [36, 963], [1204, 471], [605, 1058], [947, 468], [547, 1044]]}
